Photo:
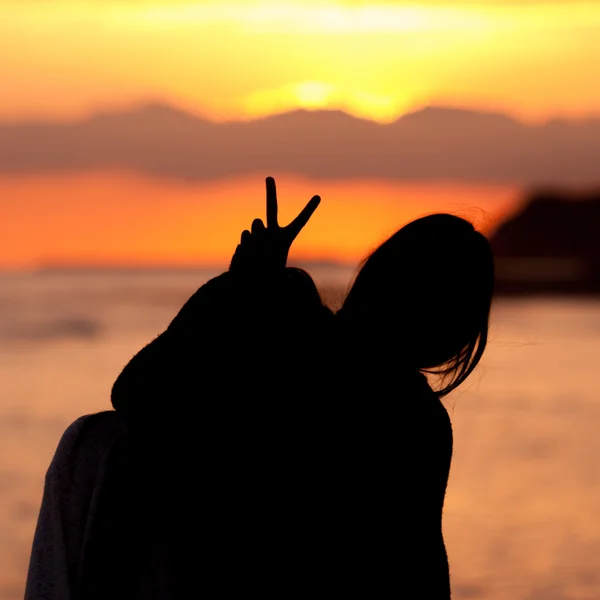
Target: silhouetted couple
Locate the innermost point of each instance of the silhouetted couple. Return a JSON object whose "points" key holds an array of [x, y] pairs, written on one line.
{"points": [[263, 445]]}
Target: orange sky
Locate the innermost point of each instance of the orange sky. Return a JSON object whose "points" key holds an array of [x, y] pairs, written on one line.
{"points": [[122, 219], [240, 59]]}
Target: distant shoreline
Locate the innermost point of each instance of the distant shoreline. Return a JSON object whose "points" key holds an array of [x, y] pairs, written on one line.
{"points": [[322, 271], [158, 268]]}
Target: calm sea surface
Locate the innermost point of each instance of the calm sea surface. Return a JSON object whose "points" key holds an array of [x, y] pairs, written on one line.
{"points": [[522, 516]]}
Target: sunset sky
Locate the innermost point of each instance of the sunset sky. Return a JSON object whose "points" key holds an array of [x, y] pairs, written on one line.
{"points": [[236, 61]]}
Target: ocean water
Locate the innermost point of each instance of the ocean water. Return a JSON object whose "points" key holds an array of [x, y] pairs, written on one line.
{"points": [[522, 514]]}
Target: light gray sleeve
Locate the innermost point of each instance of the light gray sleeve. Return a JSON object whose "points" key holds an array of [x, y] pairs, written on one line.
{"points": [[70, 488]]}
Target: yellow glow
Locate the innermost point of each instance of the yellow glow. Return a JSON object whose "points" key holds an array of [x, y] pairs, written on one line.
{"points": [[313, 94], [338, 16], [331, 17], [235, 60]]}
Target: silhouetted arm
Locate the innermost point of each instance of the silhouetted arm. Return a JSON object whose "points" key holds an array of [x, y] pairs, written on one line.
{"points": [[194, 350], [213, 339], [68, 505]]}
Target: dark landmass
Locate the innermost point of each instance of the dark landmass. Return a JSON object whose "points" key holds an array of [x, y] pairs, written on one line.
{"points": [[432, 144], [551, 247]]}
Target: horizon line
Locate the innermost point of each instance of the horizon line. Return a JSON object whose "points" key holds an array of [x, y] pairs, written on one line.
{"points": [[84, 267]]}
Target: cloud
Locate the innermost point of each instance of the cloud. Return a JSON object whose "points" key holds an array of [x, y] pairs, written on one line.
{"points": [[433, 144]]}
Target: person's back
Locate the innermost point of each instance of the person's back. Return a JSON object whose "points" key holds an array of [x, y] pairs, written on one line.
{"points": [[387, 456]]}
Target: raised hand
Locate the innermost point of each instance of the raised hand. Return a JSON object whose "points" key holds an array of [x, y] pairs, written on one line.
{"points": [[267, 248]]}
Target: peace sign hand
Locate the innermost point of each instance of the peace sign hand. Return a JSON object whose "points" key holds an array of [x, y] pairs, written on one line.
{"points": [[267, 248]]}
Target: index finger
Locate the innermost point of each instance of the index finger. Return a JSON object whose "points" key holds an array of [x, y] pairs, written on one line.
{"points": [[301, 220], [271, 203]]}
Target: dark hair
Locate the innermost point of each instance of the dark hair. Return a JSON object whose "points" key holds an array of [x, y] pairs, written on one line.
{"points": [[427, 291]]}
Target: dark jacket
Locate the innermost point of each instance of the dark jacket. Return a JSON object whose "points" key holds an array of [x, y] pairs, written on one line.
{"points": [[265, 455], [212, 492]]}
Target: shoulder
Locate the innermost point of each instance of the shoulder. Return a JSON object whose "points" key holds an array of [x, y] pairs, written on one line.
{"points": [[85, 442], [213, 291], [433, 424], [106, 425], [431, 405], [425, 418]]}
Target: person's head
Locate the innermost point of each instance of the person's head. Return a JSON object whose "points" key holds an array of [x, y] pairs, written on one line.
{"points": [[424, 296]]}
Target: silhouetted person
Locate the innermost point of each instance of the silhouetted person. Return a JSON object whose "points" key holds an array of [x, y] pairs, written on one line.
{"points": [[419, 304], [197, 484], [265, 446]]}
